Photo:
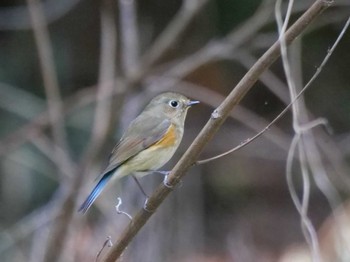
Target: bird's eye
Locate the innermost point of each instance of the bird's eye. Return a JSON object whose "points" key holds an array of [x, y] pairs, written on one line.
{"points": [[174, 104]]}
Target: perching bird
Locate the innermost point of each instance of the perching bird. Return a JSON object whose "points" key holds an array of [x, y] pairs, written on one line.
{"points": [[148, 143]]}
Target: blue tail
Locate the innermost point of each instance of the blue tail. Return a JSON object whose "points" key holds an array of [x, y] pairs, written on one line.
{"points": [[96, 192]]}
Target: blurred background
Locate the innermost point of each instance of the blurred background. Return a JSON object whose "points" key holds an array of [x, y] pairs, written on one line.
{"points": [[74, 73]]}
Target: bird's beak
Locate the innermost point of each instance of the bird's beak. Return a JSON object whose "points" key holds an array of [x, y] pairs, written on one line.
{"points": [[191, 103]]}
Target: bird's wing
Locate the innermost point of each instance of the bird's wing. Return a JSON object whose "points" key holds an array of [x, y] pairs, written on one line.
{"points": [[134, 140]]}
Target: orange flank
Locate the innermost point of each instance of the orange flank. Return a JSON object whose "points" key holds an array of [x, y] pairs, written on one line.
{"points": [[169, 138]]}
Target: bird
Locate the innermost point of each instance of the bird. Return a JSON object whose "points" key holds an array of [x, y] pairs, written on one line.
{"points": [[148, 143]]}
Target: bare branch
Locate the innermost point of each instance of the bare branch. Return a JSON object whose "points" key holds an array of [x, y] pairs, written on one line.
{"points": [[54, 100], [169, 37], [106, 82], [101, 125], [129, 36]]}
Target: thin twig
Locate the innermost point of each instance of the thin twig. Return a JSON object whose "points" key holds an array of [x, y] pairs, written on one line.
{"points": [[120, 212], [285, 110], [210, 129], [129, 36], [107, 243]]}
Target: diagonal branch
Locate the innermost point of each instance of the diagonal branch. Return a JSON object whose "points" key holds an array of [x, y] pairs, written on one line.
{"points": [[217, 119], [169, 37]]}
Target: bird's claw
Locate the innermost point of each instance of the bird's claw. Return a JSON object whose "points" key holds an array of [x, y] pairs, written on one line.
{"points": [[165, 181], [145, 207]]}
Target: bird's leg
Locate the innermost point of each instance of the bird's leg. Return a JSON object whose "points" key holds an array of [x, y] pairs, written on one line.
{"points": [[145, 207], [143, 192], [121, 212], [140, 187]]}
